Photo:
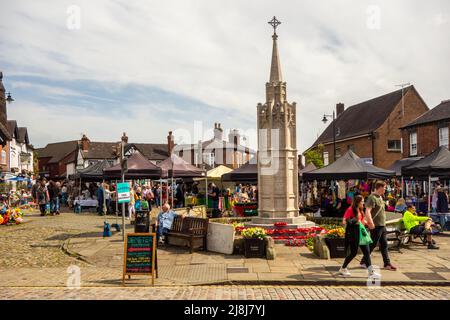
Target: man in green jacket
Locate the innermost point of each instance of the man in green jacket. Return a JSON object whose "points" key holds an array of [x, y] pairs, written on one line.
{"points": [[418, 225]]}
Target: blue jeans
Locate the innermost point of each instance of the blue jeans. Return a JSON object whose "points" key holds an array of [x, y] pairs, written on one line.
{"points": [[64, 198], [161, 232], [54, 205]]}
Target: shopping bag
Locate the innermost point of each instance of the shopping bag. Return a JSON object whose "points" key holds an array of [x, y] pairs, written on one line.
{"points": [[364, 236], [144, 205], [137, 205]]}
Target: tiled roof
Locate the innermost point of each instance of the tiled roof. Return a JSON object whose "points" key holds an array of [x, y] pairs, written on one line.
{"points": [[363, 118], [438, 113], [23, 135], [57, 151], [153, 151], [12, 128], [100, 150]]}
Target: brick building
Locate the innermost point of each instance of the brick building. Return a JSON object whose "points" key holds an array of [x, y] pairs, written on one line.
{"points": [[4, 132], [428, 132], [61, 159], [216, 151], [371, 129]]}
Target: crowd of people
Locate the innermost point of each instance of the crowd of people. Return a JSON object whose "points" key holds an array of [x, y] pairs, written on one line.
{"points": [[371, 213]]}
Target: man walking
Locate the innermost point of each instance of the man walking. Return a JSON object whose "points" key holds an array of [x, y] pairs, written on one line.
{"points": [[376, 220], [42, 196]]}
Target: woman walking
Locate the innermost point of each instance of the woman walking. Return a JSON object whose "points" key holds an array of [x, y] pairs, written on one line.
{"points": [[356, 236]]}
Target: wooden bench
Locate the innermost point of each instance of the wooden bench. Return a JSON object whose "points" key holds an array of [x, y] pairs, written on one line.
{"points": [[191, 229], [402, 237]]}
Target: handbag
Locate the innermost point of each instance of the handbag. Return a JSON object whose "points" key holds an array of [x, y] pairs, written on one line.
{"points": [[364, 236]]}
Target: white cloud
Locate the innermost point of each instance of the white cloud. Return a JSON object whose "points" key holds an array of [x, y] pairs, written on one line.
{"points": [[218, 52]]}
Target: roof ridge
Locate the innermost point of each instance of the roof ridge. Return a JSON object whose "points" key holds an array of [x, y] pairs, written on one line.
{"points": [[382, 96]]}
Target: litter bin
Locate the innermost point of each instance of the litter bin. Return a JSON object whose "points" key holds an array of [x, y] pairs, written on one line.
{"points": [[142, 223]]}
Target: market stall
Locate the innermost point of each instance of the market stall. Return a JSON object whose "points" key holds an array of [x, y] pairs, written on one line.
{"points": [[139, 167], [92, 173], [175, 167], [247, 174], [332, 188], [434, 167]]}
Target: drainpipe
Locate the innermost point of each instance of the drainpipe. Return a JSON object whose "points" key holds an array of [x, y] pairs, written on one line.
{"points": [[372, 135]]}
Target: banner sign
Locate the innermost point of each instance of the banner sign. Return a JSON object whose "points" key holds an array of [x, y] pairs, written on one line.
{"points": [[123, 192]]}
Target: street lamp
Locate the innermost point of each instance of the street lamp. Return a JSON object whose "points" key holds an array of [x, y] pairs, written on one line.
{"points": [[325, 120], [9, 98]]}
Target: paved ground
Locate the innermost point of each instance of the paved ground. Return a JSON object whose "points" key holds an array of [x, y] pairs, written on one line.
{"points": [[32, 255], [232, 293]]}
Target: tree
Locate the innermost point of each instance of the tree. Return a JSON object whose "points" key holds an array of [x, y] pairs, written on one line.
{"points": [[35, 163], [315, 156]]}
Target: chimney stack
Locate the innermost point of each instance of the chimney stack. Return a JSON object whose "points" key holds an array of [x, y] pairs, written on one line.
{"points": [[85, 143], [170, 143], [339, 109], [218, 132], [235, 138]]}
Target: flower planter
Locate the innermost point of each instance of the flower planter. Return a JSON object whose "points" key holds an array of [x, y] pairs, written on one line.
{"points": [[254, 248], [336, 246]]}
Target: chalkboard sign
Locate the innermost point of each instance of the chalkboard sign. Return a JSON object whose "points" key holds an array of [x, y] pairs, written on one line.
{"points": [[139, 255]]}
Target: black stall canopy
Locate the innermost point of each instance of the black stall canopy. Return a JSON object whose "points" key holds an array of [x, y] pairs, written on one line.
{"points": [[180, 167], [399, 164], [92, 173], [139, 167], [309, 167], [349, 166], [436, 164], [248, 173]]}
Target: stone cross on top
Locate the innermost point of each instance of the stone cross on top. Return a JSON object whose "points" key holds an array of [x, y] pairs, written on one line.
{"points": [[274, 23]]}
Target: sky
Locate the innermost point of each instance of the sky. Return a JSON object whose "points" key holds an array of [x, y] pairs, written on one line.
{"points": [[101, 68]]}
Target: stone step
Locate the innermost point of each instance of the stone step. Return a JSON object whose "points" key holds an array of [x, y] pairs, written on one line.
{"points": [[307, 224], [294, 220]]}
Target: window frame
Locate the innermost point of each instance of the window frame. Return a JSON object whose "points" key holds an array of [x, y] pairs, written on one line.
{"points": [[411, 153], [397, 142], [326, 160], [442, 136]]}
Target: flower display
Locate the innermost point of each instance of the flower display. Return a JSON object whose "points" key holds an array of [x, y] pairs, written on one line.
{"points": [[336, 233], [280, 224], [254, 233], [10, 216], [238, 225]]}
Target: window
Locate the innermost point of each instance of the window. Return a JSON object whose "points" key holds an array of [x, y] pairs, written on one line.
{"points": [[3, 157], [443, 136], [394, 145], [209, 158], [325, 158], [413, 144]]}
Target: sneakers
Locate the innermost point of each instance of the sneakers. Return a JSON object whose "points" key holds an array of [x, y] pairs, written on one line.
{"points": [[390, 267], [372, 273], [432, 246], [344, 272]]}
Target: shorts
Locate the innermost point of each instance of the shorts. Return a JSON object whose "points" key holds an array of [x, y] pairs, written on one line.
{"points": [[420, 229]]}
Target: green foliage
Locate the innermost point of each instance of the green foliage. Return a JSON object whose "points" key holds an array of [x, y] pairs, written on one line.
{"points": [[315, 156]]}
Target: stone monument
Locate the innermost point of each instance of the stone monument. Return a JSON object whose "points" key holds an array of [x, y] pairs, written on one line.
{"points": [[277, 152]]}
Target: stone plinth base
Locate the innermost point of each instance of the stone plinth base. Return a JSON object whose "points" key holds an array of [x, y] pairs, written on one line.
{"points": [[292, 223]]}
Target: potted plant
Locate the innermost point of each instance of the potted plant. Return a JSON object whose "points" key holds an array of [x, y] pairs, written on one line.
{"points": [[254, 242], [334, 238]]}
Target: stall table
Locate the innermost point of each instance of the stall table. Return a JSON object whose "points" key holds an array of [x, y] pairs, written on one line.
{"points": [[88, 204], [246, 209]]}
